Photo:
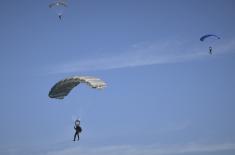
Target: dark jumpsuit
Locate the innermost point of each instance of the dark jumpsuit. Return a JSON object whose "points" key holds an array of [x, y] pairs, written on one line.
{"points": [[78, 129]]}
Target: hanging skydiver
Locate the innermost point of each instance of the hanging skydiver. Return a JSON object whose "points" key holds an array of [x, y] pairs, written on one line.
{"points": [[60, 16], [210, 50], [77, 129]]}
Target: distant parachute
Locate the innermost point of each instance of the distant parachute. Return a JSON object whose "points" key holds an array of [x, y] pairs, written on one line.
{"points": [[59, 6], [208, 36], [63, 87]]}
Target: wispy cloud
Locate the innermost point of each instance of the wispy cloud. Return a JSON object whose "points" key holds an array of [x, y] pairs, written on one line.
{"points": [[149, 150], [154, 149], [147, 53]]}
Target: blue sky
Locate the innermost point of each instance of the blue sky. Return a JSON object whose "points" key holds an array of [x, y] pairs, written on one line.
{"points": [[165, 94]]}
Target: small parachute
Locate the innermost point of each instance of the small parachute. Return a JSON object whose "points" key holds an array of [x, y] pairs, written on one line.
{"points": [[63, 87], [58, 6], [208, 36]]}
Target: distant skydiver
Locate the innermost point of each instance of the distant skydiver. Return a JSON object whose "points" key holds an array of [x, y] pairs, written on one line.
{"points": [[77, 129], [60, 16], [210, 50]]}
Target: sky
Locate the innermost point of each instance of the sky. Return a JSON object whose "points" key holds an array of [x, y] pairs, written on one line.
{"points": [[165, 94]]}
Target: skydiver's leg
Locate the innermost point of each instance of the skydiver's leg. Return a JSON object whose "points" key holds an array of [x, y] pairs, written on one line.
{"points": [[74, 137], [78, 136]]}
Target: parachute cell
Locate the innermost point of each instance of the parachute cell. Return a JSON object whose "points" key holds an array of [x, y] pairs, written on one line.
{"points": [[63, 87]]}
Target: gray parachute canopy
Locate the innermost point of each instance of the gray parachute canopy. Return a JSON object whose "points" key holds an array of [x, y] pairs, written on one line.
{"points": [[63, 87], [58, 3]]}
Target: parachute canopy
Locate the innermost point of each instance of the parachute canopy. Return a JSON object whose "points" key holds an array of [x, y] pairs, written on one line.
{"points": [[63, 87], [208, 36], [58, 4]]}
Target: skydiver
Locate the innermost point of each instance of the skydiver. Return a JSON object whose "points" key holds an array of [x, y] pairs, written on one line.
{"points": [[60, 16], [210, 50], [77, 129]]}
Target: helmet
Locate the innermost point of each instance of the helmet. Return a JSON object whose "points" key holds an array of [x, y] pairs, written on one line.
{"points": [[77, 122]]}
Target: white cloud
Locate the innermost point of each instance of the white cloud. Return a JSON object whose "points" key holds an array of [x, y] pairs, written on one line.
{"points": [[143, 54], [157, 149], [143, 150]]}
